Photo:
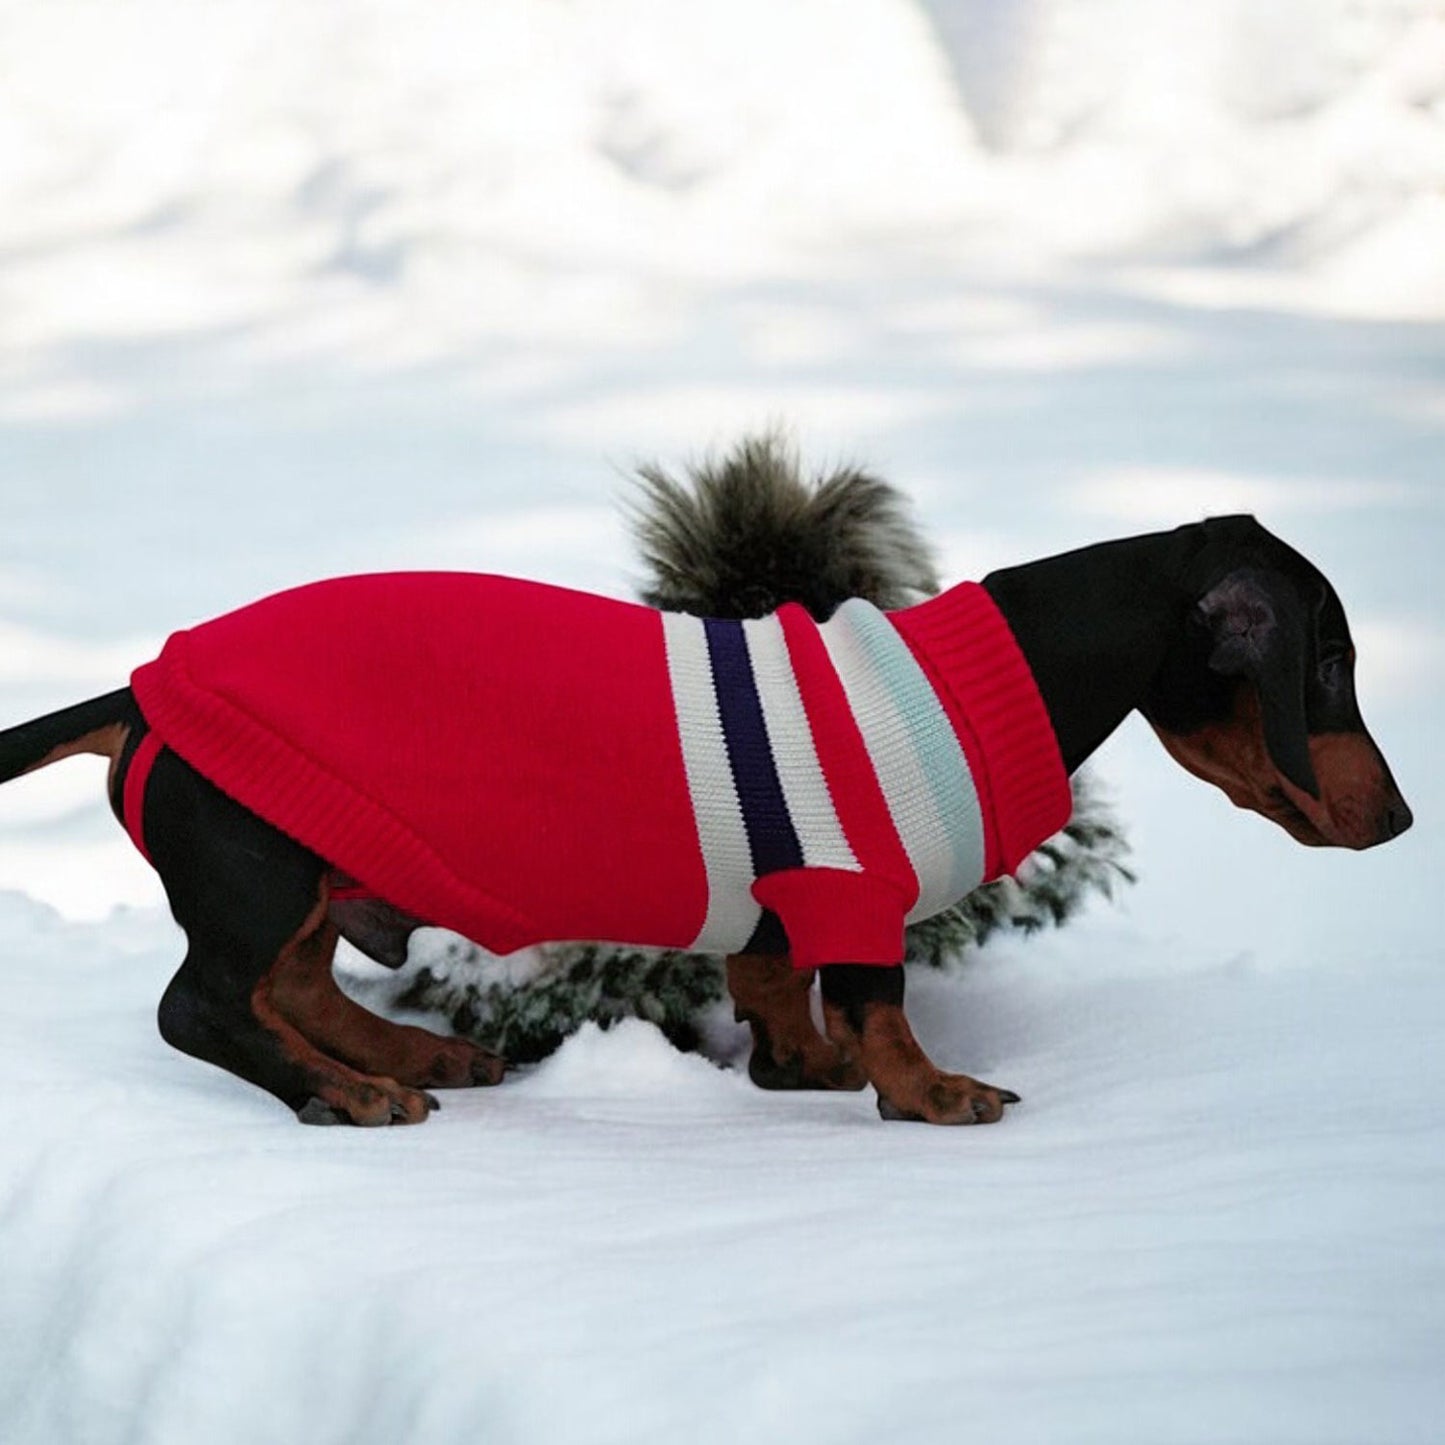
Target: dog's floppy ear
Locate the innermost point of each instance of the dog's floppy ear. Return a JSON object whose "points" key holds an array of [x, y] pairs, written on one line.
{"points": [[1258, 630]]}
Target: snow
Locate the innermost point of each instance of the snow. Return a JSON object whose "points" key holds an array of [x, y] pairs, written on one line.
{"points": [[1215, 1217], [289, 291]]}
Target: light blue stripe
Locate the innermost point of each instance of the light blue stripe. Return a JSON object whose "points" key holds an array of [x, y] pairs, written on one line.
{"points": [[947, 783]]}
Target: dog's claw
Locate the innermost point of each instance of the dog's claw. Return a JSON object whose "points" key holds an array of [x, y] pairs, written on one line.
{"points": [[400, 1115], [981, 1104], [317, 1111]]}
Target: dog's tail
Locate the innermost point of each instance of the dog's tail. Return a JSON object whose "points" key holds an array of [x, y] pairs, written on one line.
{"points": [[747, 532], [94, 726]]}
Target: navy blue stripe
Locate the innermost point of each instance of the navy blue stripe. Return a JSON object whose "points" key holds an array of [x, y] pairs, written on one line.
{"points": [[772, 839]]}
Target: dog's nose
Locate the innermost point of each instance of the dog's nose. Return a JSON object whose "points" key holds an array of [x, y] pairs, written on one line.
{"points": [[1397, 818]]}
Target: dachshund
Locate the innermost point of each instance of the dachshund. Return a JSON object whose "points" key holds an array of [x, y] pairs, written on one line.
{"points": [[832, 752]]}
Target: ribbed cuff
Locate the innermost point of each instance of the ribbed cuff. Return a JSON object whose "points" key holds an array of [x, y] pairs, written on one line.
{"points": [[969, 654], [832, 915]]}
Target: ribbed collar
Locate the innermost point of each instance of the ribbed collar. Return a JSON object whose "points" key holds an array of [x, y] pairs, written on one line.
{"points": [[969, 654]]}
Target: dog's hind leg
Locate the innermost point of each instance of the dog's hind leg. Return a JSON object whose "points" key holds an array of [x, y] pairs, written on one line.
{"points": [[302, 988], [772, 998], [249, 898]]}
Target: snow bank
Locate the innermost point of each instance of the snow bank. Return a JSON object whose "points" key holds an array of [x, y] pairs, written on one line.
{"points": [[1213, 1217], [630, 1060], [537, 178]]}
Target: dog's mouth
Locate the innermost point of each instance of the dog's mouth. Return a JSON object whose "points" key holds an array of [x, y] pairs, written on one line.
{"points": [[1346, 821], [1279, 808]]}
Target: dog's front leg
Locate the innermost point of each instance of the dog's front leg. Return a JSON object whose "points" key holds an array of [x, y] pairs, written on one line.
{"points": [[772, 998], [863, 1009]]}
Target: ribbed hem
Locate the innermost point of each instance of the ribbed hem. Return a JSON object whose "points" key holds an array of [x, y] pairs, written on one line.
{"points": [[969, 654], [299, 795]]}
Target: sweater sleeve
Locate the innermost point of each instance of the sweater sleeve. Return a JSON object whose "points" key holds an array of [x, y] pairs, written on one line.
{"points": [[833, 915]]}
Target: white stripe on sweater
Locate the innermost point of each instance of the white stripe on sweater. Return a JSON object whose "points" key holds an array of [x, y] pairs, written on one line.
{"points": [[732, 913], [790, 739]]}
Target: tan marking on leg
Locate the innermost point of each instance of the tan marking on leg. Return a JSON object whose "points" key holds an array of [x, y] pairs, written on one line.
{"points": [[772, 997], [909, 1085], [363, 1098], [303, 990]]}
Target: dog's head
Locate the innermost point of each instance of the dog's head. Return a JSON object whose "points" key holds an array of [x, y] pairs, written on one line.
{"points": [[1257, 693]]}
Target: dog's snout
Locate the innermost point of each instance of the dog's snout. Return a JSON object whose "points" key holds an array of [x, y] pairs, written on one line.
{"points": [[1397, 819]]}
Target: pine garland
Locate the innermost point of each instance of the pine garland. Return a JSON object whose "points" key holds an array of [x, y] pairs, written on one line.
{"points": [[527, 1012]]}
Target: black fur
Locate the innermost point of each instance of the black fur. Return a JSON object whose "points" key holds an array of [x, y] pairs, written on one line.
{"points": [[1175, 624], [852, 986], [1259, 631], [23, 746], [241, 890]]}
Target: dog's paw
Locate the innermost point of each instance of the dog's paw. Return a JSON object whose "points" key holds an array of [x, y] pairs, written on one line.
{"points": [[951, 1099], [368, 1105], [826, 1069], [459, 1064]]}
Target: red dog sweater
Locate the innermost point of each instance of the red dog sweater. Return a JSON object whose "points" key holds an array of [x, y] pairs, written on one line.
{"points": [[523, 763]]}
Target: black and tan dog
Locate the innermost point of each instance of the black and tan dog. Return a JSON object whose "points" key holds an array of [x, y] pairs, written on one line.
{"points": [[1231, 644]]}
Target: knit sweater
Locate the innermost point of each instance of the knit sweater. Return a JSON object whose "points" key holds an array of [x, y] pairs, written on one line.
{"points": [[523, 763]]}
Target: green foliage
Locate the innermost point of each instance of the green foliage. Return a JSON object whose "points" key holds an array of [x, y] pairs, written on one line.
{"points": [[525, 1018]]}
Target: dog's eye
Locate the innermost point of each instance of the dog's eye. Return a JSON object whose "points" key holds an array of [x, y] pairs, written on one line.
{"points": [[1333, 670]]}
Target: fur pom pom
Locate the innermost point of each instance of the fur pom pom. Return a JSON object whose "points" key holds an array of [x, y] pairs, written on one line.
{"points": [[746, 533]]}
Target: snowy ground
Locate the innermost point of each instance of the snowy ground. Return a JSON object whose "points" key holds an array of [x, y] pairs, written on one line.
{"points": [[292, 290], [1216, 1218]]}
